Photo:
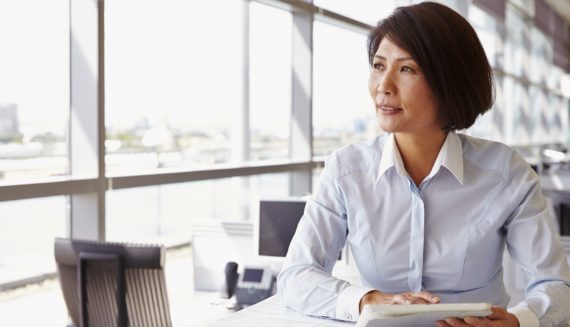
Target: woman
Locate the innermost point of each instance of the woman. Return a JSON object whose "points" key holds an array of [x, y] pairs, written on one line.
{"points": [[427, 212]]}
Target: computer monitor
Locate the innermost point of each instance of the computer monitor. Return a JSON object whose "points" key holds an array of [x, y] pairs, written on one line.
{"points": [[277, 223]]}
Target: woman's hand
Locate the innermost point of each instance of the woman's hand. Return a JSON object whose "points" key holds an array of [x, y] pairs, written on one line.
{"points": [[377, 297], [499, 317]]}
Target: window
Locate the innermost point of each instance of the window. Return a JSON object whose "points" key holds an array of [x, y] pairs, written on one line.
{"points": [[173, 81], [520, 121], [164, 213], [270, 81], [34, 101], [517, 42], [490, 125], [486, 27], [342, 109], [27, 231]]}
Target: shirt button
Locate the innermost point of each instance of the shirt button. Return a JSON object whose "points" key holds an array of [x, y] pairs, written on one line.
{"points": [[348, 316]]}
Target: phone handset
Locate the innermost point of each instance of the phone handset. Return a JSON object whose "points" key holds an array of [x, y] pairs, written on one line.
{"points": [[230, 280]]}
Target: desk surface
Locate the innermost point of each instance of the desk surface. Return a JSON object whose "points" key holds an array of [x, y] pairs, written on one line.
{"points": [[279, 316]]}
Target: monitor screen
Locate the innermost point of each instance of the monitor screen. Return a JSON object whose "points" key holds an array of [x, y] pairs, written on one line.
{"points": [[278, 221]]}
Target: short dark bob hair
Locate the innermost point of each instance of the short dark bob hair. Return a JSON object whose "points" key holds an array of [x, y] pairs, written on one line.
{"points": [[448, 52]]}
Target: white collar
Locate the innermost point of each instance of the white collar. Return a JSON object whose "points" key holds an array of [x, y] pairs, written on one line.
{"points": [[450, 156]]}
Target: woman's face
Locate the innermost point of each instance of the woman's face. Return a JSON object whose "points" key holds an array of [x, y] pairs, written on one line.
{"points": [[404, 101]]}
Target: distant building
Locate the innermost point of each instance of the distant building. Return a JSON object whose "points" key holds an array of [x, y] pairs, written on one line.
{"points": [[9, 125]]}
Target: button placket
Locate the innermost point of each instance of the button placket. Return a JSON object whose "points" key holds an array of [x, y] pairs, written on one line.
{"points": [[416, 241]]}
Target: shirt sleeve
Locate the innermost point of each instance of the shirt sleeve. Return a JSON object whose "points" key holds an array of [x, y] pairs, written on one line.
{"points": [[526, 317], [305, 282], [533, 243], [348, 303]]}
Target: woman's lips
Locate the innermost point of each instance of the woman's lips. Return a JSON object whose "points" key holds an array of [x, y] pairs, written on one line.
{"points": [[389, 110]]}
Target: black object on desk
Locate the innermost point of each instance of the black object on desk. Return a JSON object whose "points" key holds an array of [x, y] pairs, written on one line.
{"points": [[112, 284]]}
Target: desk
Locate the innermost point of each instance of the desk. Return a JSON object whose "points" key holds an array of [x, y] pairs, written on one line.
{"points": [[272, 311]]}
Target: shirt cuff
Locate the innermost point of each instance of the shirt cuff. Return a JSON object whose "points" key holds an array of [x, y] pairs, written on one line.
{"points": [[348, 301], [526, 317]]}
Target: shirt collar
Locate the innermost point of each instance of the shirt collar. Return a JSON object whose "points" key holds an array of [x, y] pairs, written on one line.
{"points": [[453, 156], [390, 158], [450, 156]]}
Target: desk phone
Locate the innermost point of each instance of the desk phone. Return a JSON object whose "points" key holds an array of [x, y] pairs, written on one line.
{"points": [[254, 285]]}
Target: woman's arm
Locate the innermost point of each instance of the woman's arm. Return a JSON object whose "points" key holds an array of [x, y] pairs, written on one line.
{"points": [[305, 282], [533, 243]]}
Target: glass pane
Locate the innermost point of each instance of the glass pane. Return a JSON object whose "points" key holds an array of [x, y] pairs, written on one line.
{"points": [[270, 81], [541, 114], [556, 117], [540, 57], [499, 112], [522, 119], [174, 79], [342, 109], [27, 232], [485, 26], [34, 84], [367, 11], [164, 213], [517, 44], [555, 75]]}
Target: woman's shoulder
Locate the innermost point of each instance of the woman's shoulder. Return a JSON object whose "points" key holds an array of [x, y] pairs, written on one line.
{"points": [[357, 155], [492, 154], [478, 145]]}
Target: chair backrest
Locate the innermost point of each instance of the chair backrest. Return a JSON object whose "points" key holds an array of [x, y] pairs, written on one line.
{"points": [[112, 284]]}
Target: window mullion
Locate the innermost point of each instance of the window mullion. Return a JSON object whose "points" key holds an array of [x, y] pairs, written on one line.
{"points": [[86, 131]]}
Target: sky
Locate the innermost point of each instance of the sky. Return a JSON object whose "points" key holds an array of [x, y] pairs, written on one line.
{"points": [[172, 62]]}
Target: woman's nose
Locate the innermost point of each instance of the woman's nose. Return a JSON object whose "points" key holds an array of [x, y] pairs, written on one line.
{"points": [[386, 84]]}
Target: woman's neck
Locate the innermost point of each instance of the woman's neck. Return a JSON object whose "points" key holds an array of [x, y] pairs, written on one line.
{"points": [[419, 152]]}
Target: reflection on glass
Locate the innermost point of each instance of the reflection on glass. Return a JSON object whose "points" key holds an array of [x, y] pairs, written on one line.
{"points": [[164, 213], [173, 82], [527, 82], [27, 232], [34, 84], [342, 109], [270, 81]]}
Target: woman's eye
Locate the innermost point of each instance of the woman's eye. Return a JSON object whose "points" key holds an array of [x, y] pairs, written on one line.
{"points": [[378, 66], [407, 69]]}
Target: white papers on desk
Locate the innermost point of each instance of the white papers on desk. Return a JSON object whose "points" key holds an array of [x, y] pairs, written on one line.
{"points": [[272, 313], [380, 315]]}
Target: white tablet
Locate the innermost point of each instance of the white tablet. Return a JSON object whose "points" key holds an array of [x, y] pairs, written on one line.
{"points": [[379, 315]]}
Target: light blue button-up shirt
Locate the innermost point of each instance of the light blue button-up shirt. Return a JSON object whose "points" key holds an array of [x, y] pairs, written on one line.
{"points": [[446, 236]]}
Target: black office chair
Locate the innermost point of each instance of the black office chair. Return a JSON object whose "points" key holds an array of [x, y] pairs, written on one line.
{"points": [[112, 284]]}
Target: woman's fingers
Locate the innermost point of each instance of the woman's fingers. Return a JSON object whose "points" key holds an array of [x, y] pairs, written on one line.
{"points": [[410, 298], [498, 313], [430, 298]]}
